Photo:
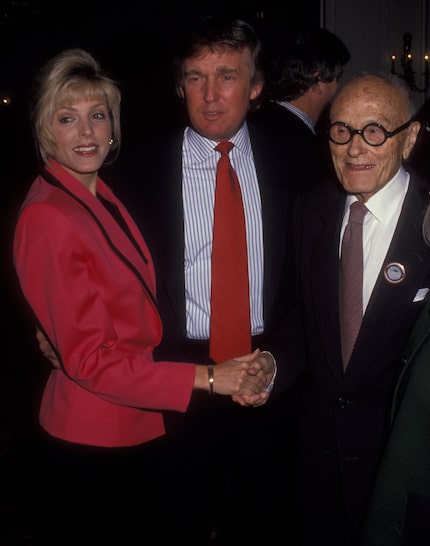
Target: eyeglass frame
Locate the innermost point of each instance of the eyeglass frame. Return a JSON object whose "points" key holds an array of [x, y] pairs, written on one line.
{"points": [[352, 132]]}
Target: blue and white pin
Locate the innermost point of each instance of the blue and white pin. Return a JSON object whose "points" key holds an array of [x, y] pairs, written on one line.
{"points": [[395, 272]]}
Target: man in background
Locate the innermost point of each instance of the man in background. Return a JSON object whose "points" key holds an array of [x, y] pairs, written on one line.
{"points": [[303, 71]]}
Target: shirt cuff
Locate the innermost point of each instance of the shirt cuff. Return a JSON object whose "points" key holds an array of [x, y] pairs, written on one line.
{"points": [[272, 381]]}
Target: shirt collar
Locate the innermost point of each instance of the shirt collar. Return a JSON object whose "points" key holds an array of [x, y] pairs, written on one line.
{"points": [[201, 147], [299, 113], [393, 193]]}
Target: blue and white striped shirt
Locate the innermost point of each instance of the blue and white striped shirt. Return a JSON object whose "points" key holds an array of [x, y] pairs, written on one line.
{"points": [[199, 163]]}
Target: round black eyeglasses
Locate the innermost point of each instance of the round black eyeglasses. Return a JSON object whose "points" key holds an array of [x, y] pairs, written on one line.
{"points": [[373, 134]]}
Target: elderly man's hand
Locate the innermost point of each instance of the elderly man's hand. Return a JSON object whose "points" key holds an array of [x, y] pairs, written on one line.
{"points": [[264, 366]]}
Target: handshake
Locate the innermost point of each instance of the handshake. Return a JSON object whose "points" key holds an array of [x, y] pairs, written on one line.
{"points": [[247, 379]]}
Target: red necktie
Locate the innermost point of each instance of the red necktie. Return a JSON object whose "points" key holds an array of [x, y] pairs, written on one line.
{"points": [[230, 330], [351, 280]]}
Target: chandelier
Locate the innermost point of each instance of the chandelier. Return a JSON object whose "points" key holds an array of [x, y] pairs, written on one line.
{"points": [[407, 72]]}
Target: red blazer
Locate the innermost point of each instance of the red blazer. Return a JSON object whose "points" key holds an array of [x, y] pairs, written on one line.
{"points": [[92, 292]]}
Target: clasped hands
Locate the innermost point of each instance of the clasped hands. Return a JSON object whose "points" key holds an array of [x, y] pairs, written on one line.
{"points": [[245, 378], [255, 371]]}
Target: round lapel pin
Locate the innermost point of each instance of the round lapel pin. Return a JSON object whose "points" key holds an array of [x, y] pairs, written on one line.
{"points": [[394, 272]]}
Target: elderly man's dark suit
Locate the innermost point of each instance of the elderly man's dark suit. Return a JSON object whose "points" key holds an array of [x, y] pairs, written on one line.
{"points": [[344, 414], [215, 428], [399, 509]]}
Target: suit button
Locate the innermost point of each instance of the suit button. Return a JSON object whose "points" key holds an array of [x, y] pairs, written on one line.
{"points": [[404, 361], [342, 403], [351, 459]]}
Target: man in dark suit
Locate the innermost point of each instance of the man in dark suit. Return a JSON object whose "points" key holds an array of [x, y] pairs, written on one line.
{"points": [[303, 71], [224, 458], [345, 403]]}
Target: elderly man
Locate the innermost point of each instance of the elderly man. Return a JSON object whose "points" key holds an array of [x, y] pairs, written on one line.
{"points": [[349, 382]]}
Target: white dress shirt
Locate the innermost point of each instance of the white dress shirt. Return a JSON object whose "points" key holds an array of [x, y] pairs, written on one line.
{"points": [[199, 163], [378, 227]]}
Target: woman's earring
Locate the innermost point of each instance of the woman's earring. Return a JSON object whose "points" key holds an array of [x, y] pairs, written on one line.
{"points": [[111, 141]]}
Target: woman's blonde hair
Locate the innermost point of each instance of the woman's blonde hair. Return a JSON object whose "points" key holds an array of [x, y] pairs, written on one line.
{"points": [[71, 76]]}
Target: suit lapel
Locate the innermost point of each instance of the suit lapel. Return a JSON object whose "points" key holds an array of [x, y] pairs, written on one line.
{"points": [[278, 188], [390, 304], [325, 283], [138, 260], [167, 220]]}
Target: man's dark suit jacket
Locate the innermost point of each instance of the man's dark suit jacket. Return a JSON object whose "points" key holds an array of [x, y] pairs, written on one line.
{"points": [[399, 509], [215, 428], [310, 150], [344, 414], [155, 200]]}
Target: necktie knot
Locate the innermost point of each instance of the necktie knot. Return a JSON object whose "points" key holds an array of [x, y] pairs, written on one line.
{"points": [[224, 147], [357, 212]]}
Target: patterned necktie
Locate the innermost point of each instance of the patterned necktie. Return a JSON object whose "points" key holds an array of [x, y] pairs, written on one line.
{"points": [[351, 280], [230, 329]]}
